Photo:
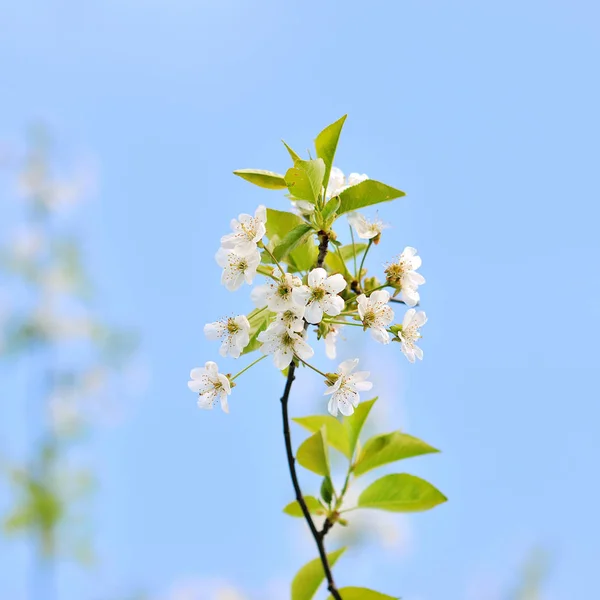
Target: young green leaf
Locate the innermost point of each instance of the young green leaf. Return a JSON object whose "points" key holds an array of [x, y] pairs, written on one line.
{"points": [[401, 493], [359, 593], [314, 507], [354, 423], [330, 208], [337, 436], [366, 193], [304, 256], [313, 455], [327, 490], [390, 447], [259, 319], [264, 179], [305, 179], [311, 576], [294, 156], [326, 145], [292, 240], [281, 222]]}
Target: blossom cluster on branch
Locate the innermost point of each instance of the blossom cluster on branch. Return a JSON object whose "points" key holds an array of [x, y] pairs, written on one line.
{"points": [[315, 286]]}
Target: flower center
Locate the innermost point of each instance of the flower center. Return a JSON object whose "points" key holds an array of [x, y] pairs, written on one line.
{"points": [[287, 340], [317, 294], [232, 327], [369, 318], [395, 272], [242, 265], [283, 291]]}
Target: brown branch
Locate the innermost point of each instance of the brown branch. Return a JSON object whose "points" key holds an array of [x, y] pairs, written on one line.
{"points": [[317, 535]]}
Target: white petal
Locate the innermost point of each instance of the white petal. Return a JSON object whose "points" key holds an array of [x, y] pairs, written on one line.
{"points": [[409, 296], [300, 295], [408, 316], [333, 305], [224, 403], [211, 368], [195, 386], [282, 358], [259, 295], [317, 277], [380, 335], [205, 403], [222, 257], [313, 313], [335, 283], [225, 383], [382, 296], [345, 407], [418, 352], [364, 386], [347, 366], [332, 406], [420, 319], [261, 213], [213, 331], [197, 372], [303, 350]]}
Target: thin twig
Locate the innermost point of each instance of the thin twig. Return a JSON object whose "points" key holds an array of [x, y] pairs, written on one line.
{"points": [[317, 535]]}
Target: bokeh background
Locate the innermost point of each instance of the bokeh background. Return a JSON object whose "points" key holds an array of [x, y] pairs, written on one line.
{"points": [[485, 113]]}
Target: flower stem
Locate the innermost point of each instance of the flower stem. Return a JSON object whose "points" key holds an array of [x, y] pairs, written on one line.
{"points": [[353, 252], [248, 367], [311, 367], [345, 323], [273, 257], [362, 262]]}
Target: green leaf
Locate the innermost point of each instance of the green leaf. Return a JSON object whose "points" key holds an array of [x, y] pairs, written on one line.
{"points": [[313, 455], [326, 145], [330, 208], [359, 593], [311, 576], [354, 423], [327, 490], [281, 222], [401, 493], [292, 240], [366, 193], [337, 263], [305, 179], [390, 447], [336, 434], [259, 319], [263, 179], [294, 156], [314, 507], [304, 257]]}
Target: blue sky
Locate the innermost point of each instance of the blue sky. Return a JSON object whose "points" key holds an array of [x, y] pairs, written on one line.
{"points": [[486, 114]]}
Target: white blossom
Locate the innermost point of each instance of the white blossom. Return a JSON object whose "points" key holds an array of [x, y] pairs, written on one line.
{"points": [[283, 344], [277, 295], [321, 295], [338, 183], [331, 341], [409, 334], [403, 274], [210, 385], [376, 314], [292, 318], [303, 206], [345, 391], [237, 268], [235, 332], [247, 231], [367, 230]]}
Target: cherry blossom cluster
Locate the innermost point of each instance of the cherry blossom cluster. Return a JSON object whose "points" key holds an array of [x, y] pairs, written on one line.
{"points": [[326, 300]]}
